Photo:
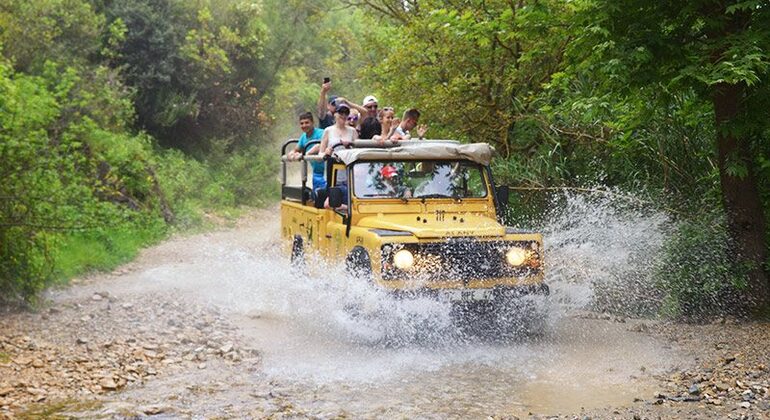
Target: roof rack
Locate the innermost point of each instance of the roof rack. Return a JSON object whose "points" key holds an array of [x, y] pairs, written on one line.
{"points": [[390, 143], [415, 149]]}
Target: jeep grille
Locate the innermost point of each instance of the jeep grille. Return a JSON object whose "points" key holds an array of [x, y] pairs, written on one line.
{"points": [[460, 259]]}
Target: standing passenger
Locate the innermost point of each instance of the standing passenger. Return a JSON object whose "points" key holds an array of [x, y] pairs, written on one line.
{"points": [[388, 121], [411, 118], [369, 128], [339, 133], [310, 133], [370, 104], [353, 118]]}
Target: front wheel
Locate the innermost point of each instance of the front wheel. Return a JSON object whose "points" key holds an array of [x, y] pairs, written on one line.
{"points": [[358, 264], [297, 258]]}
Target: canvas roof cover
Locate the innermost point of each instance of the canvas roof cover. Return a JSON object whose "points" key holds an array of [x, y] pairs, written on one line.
{"points": [[476, 152]]}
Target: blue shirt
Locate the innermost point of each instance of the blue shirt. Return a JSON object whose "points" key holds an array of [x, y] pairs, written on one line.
{"points": [[318, 167]]}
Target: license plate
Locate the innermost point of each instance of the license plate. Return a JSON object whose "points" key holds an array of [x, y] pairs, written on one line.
{"points": [[468, 295]]}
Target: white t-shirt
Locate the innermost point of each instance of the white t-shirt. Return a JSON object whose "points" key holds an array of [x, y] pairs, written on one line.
{"points": [[335, 138], [404, 133]]}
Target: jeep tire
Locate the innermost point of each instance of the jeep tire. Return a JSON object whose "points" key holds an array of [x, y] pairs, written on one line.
{"points": [[358, 264], [297, 259]]}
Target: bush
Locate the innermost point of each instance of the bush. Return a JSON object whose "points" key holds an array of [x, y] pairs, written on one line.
{"points": [[226, 180], [69, 171], [698, 270], [104, 249], [251, 176]]}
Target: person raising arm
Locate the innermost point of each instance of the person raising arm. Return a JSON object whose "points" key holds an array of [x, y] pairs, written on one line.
{"points": [[326, 108]]}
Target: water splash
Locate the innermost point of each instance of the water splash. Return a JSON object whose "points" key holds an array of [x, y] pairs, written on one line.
{"points": [[599, 255], [601, 252]]}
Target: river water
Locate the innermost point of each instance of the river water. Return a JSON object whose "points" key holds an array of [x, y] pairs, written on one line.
{"points": [[320, 358]]}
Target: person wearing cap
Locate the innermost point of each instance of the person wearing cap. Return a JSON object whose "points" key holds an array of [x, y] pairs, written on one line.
{"points": [[326, 107], [363, 112], [339, 133], [391, 180], [370, 104], [371, 125]]}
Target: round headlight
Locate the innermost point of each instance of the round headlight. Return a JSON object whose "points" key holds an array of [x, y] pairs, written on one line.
{"points": [[516, 256], [403, 259]]}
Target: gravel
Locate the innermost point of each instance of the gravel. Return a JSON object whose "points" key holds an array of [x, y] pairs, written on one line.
{"points": [[728, 379], [96, 350], [87, 349]]}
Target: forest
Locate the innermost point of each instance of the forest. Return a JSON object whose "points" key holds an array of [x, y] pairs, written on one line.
{"points": [[124, 122]]}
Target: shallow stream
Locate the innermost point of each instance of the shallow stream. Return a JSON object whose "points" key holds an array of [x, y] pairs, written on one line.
{"points": [[318, 357]]}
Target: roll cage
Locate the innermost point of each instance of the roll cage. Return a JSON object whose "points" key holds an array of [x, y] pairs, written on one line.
{"points": [[303, 193]]}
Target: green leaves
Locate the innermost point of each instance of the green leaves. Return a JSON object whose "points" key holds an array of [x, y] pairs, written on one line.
{"points": [[744, 6], [64, 167]]}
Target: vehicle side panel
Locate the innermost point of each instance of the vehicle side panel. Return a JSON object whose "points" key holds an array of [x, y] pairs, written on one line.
{"points": [[306, 221]]}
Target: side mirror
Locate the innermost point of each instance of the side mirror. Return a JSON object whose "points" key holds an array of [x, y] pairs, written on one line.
{"points": [[503, 193], [336, 198]]}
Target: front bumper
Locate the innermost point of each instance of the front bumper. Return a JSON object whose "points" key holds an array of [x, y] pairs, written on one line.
{"points": [[467, 263], [494, 293], [531, 282]]}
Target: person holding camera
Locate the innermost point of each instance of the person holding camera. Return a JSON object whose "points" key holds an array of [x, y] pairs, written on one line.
{"points": [[326, 108]]}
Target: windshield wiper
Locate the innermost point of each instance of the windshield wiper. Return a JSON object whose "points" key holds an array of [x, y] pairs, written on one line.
{"points": [[433, 196]]}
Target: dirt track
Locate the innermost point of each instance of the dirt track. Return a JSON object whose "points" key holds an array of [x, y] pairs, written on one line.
{"points": [[216, 325]]}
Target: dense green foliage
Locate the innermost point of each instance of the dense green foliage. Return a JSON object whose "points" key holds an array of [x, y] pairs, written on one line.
{"points": [[122, 121], [90, 92], [68, 166]]}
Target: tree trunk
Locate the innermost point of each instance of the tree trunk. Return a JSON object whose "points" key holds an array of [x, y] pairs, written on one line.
{"points": [[740, 196]]}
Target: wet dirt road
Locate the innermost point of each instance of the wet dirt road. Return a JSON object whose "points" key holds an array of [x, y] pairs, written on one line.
{"points": [[314, 360]]}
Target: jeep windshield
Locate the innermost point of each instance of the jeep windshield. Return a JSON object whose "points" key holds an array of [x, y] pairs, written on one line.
{"points": [[418, 179]]}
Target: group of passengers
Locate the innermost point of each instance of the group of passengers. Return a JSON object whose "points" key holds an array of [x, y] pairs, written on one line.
{"points": [[367, 119], [341, 121]]}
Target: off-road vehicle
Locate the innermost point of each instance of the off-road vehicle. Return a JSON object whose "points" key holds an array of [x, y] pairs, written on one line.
{"points": [[414, 218]]}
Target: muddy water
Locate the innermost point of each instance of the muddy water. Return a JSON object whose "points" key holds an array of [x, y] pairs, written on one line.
{"points": [[324, 360], [583, 363]]}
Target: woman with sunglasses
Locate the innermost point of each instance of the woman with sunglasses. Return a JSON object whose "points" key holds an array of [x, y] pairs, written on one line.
{"points": [[353, 118], [338, 133]]}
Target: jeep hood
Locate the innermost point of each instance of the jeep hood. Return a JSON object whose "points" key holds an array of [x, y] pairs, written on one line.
{"points": [[436, 226]]}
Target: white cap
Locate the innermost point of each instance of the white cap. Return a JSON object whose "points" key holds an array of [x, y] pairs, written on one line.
{"points": [[369, 100]]}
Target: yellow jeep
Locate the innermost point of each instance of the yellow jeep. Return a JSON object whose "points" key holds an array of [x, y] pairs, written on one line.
{"points": [[414, 217]]}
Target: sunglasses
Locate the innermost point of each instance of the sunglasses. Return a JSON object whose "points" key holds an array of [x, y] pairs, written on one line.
{"points": [[388, 108], [372, 106], [353, 118]]}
